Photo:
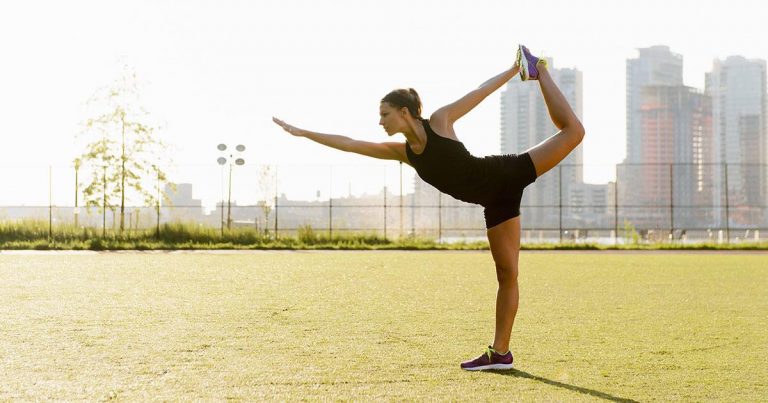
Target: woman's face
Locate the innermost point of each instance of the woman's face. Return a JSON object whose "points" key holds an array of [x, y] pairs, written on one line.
{"points": [[391, 118]]}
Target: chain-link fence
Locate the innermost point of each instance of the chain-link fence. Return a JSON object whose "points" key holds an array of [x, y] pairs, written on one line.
{"points": [[646, 202]]}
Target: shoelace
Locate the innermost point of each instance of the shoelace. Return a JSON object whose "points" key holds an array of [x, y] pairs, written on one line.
{"points": [[489, 353]]}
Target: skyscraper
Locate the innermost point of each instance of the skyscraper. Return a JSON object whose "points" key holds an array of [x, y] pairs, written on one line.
{"points": [[525, 122], [674, 182], [738, 90], [656, 65]]}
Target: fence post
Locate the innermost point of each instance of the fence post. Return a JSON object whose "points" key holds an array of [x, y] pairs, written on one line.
{"points": [[439, 217], [401, 199], [157, 230], [385, 211], [671, 205], [50, 204], [413, 214], [616, 207], [560, 198], [727, 207], [275, 202], [104, 203], [330, 206]]}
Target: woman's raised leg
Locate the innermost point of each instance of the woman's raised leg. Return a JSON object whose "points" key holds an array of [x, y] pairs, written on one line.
{"points": [[551, 151]]}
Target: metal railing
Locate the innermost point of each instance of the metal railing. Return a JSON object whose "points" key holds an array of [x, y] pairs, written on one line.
{"points": [[647, 202]]}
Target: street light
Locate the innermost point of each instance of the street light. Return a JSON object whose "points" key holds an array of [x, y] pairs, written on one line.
{"points": [[237, 161]]}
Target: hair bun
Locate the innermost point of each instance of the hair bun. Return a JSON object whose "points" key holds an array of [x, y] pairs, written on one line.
{"points": [[416, 100], [405, 98]]}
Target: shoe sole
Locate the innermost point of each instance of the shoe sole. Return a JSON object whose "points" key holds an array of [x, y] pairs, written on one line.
{"points": [[523, 63], [492, 366]]}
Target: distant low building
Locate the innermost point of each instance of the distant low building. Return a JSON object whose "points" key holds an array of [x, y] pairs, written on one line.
{"points": [[180, 205]]}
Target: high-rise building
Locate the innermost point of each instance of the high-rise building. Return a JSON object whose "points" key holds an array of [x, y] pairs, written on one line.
{"points": [[674, 176], [525, 123], [655, 65], [655, 98], [738, 89]]}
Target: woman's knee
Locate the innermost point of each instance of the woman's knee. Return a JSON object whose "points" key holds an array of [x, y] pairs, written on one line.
{"points": [[506, 274]]}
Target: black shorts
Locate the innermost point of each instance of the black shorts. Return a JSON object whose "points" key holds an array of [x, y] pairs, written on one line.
{"points": [[520, 173]]}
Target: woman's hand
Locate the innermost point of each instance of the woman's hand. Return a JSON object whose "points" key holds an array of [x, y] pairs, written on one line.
{"points": [[290, 129]]}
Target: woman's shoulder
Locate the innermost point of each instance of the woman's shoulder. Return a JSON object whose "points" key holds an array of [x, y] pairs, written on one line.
{"points": [[442, 126]]}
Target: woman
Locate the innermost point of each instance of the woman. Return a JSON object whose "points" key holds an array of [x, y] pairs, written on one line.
{"points": [[495, 182]]}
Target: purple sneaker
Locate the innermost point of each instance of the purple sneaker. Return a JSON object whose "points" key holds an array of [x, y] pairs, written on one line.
{"points": [[528, 64], [490, 360]]}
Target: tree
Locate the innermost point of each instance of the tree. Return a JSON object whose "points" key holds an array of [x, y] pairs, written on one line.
{"points": [[122, 151]]}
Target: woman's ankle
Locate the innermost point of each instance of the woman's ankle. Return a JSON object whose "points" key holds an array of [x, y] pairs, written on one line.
{"points": [[501, 351]]}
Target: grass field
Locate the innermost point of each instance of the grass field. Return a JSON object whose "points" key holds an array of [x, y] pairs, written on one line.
{"points": [[380, 325]]}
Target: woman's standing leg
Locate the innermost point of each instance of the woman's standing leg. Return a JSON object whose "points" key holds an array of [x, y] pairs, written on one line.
{"points": [[504, 240]]}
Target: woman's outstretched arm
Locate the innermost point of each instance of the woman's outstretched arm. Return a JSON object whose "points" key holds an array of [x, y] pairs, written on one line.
{"points": [[386, 151], [452, 112]]}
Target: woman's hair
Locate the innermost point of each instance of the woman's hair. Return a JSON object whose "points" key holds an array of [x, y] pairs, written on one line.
{"points": [[402, 98]]}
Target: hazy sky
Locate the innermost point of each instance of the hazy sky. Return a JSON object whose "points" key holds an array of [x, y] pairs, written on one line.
{"points": [[216, 71]]}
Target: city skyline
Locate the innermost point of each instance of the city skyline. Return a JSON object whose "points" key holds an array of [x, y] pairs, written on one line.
{"points": [[575, 158], [218, 72], [676, 135]]}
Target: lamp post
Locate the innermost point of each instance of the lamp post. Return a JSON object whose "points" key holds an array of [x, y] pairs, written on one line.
{"points": [[237, 161]]}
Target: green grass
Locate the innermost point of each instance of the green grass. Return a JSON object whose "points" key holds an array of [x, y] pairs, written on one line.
{"points": [[36, 235], [380, 325]]}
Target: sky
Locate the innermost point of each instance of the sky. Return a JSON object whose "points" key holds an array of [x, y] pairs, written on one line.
{"points": [[216, 72]]}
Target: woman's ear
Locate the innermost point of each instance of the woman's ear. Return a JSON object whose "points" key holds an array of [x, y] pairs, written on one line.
{"points": [[404, 111]]}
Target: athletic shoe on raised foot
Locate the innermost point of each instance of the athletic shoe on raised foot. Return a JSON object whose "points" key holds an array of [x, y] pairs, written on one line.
{"points": [[528, 64], [490, 360]]}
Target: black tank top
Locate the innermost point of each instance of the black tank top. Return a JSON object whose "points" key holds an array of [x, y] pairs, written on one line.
{"points": [[448, 166]]}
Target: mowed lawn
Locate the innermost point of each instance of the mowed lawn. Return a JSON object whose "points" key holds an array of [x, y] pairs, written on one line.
{"points": [[380, 325]]}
